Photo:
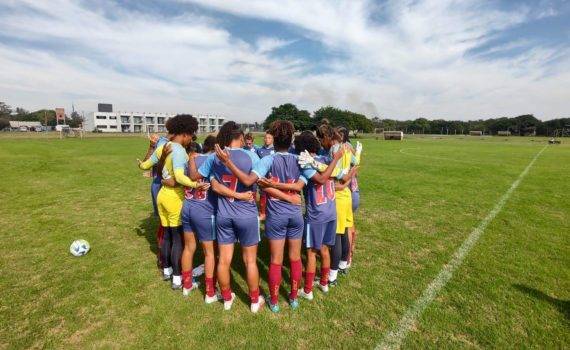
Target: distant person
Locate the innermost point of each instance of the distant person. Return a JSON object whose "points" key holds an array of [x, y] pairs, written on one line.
{"points": [[249, 144]]}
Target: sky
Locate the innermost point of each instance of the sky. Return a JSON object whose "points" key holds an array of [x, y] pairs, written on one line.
{"points": [[399, 59]]}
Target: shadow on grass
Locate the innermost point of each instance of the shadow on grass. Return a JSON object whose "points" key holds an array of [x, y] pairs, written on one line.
{"points": [[563, 306], [147, 229]]}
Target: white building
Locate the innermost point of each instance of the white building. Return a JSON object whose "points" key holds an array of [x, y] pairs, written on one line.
{"points": [[143, 122]]}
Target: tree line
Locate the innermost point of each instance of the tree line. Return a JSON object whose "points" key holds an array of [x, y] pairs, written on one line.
{"points": [[523, 125]]}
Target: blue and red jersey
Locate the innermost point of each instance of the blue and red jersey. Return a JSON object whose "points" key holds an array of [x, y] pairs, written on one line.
{"points": [[320, 199], [202, 202], [214, 168], [280, 167], [264, 151]]}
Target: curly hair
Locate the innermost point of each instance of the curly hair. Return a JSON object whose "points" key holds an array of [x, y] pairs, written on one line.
{"points": [[282, 131], [228, 132], [182, 124], [248, 136], [306, 141], [209, 144]]}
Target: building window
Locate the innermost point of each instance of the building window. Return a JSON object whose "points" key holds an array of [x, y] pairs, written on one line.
{"points": [[160, 120], [112, 126], [149, 120], [138, 128], [112, 117], [125, 128], [101, 126], [161, 128], [138, 120], [124, 120], [101, 117]]}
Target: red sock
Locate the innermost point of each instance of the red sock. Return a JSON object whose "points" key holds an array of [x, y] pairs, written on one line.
{"points": [[187, 279], [210, 287], [227, 294], [159, 234], [274, 282], [296, 273], [159, 237], [325, 275], [254, 296], [309, 277]]}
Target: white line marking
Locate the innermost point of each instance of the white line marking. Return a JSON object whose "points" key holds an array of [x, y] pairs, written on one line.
{"points": [[393, 339]]}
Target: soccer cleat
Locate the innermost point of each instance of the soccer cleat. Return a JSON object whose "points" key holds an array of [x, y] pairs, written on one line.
{"points": [[294, 303], [212, 299], [228, 303], [273, 307], [166, 277], [332, 283], [176, 286], [343, 271], [186, 292], [308, 296], [255, 307]]}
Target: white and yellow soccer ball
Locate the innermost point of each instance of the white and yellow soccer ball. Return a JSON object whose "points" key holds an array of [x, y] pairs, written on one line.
{"points": [[79, 247]]}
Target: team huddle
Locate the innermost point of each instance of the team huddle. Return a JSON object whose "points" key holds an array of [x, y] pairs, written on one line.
{"points": [[207, 194]]}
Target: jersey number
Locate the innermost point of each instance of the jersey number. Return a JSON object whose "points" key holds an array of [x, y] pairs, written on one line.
{"points": [[325, 192], [231, 182]]}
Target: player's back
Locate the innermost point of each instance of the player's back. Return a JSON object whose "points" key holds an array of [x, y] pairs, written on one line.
{"points": [[320, 198], [202, 202], [284, 169], [229, 207]]}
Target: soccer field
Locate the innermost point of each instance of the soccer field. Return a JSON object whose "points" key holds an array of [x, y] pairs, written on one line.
{"points": [[421, 199]]}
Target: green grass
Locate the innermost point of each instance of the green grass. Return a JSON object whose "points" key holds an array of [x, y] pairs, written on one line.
{"points": [[420, 199]]}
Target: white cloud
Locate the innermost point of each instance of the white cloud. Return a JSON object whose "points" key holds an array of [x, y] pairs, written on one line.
{"points": [[414, 63]]}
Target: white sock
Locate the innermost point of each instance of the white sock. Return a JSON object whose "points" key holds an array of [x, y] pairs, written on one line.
{"points": [[332, 275], [176, 279], [168, 271], [343, 264]]}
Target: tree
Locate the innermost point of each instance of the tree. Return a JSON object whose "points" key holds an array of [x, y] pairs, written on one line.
{"points": [[75, 120], [301, 119], [5, 110], [4, 123]]}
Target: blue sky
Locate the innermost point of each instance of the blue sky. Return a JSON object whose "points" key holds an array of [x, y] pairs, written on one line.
{"points": [[393, 59]]}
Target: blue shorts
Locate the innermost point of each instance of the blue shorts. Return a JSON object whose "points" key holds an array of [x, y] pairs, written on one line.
{"points": [[355, 201], [242, 230], [278, 227], [317, 234], [203, 227], [154, 189]]}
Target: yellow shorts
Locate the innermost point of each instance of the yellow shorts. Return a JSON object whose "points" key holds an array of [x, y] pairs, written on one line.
{"points": [[170, 207], [344, 216]]}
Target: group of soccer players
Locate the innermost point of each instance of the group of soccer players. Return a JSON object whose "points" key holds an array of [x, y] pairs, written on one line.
{"points": [[208, 194]]}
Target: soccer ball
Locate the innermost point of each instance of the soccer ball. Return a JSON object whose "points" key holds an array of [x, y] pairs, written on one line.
{"points": [[79, 247]]}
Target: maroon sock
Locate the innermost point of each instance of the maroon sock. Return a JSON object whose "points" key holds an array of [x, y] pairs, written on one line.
{"points": [[227, 294], [309, 277], [187, 279], [254, 296], [274, 282], [296, 273], [210, 287], [325, 275]]}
